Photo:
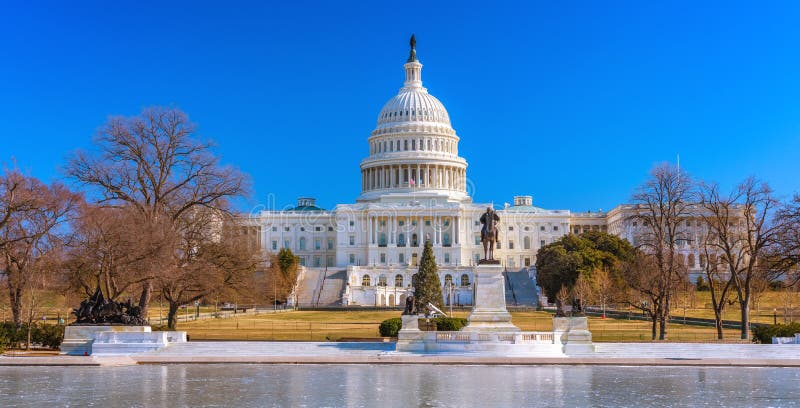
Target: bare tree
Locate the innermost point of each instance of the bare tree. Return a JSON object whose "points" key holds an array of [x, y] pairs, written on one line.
{"points": [[646, 293], [111, 250], [602, 286], [563, 297], [29, 235], [213, 257], [662, 207], [153, 163]]}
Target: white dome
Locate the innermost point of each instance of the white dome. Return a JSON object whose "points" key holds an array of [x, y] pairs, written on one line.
{"points": [[413, 105]]}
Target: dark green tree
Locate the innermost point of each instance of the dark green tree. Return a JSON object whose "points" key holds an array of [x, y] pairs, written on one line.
{"points": [[427, 287], [560, 263], [288, 263]]}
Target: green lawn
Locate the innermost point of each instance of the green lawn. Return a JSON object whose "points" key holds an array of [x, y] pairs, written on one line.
{"points": [[335, 325]]}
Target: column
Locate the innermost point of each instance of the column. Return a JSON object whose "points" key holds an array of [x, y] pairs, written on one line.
{"points": [[419, 175]]}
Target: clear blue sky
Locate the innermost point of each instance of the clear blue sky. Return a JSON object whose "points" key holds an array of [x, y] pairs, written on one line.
{"points": [[571, 102]]}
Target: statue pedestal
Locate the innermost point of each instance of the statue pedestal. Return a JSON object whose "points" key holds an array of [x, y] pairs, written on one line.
{"points": [[84, 340], [573, 333], [410, 337], [489, 312]]}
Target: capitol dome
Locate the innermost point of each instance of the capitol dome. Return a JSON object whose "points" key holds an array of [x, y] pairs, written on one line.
{"points": [[413, 150]]}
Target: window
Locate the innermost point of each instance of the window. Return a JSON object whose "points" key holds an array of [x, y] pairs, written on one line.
{"points": [[498, 244], [287, 243], [691, 260], [446, 222], [317, 228], [401, 240], [274, 245], [511, 228], [302, 244], [382, 223], [526, 243], [317, 244], [448, 280], [352, 259], [414, 240], [427, 223], [401, 223], [398, 281], [330, 243], [527, 261], [527, 228], [541, 243], [541, 228], [274, 229], [365, 281], [383, 258], [477, 222], [446, 258], [465, 280], [316, 262], [302, 229], [382, 280], [510, 244], [352, 239], [477, 240], [401, 258], [286, 229], [382, 240], [446, 239], [330, 229], [555, 227]]}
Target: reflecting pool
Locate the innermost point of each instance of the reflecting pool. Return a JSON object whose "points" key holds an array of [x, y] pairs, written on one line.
{"points": [[253, 385]]}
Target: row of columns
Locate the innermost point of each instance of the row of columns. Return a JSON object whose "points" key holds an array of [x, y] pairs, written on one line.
{"points": [[423, 175], [402, 145], [392, 229]]}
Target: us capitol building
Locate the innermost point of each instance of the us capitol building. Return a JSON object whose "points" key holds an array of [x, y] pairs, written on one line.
{"points": [[413, 189]]}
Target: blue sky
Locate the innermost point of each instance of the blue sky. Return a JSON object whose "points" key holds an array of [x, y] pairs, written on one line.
{"points": [[571, 102]]}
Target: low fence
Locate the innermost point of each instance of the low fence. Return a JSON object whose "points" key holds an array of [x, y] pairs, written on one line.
{"points": [[280, 330]]}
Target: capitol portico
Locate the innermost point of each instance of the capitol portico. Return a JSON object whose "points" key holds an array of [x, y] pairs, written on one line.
{"points": [[414, 188]]}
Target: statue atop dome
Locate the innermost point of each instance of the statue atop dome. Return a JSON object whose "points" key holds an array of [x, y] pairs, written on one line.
{"points": [[412, 57]]}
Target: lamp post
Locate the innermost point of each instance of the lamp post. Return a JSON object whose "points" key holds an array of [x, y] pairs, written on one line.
{"points": [[774, 316]]}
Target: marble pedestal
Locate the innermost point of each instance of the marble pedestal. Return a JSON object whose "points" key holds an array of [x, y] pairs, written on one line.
{"points": [[489, 313], [573, 333], [84, 340], [410, 337]]}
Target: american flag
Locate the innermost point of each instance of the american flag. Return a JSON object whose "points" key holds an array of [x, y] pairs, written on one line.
{"points": [[411, 182]]}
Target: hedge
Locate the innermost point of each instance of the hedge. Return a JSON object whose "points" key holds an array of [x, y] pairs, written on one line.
{"points": [[764, 334], [46, 335], [390, 327]]}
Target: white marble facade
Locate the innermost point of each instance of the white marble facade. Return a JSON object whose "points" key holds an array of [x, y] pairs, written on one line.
{"points": [[414, 187]]}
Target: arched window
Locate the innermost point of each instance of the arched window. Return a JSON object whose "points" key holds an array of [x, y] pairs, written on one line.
{"points": [[526, 242], [365, 281], [448, 280], [465, 280], [302, 244], [382, 280], [398, 281]]}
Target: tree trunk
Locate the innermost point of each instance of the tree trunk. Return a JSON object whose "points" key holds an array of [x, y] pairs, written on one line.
{"points": [[654, 327], [664, 320], [718, 323], [172, 316], [15, 298], [144, 299], [745, 305]]}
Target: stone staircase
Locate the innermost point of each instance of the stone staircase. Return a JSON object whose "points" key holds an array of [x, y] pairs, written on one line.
{"points": [[332, 289], [520, 289], [318, 287]]}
